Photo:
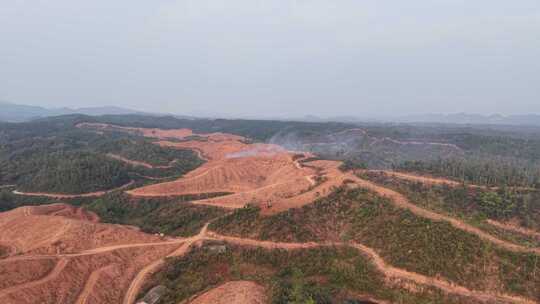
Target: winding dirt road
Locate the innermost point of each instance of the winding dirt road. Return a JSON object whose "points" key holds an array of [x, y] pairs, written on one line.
{"points": [[439, 180], [182, 246], [138, 163], [187, 243], [68, 196], [385, 269], [135, 286], [401, 201]]}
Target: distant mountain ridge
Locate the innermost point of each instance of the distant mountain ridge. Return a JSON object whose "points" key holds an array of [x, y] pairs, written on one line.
{"points": [[11, 112], [457, 118], [466, 118]]}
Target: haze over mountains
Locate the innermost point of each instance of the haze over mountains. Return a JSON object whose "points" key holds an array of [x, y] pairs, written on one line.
{"points": [[454, 118], [11, 112]]}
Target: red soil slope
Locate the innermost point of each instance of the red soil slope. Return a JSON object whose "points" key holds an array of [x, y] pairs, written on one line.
{"points": [[159, 133], [262, 174], [59, 228], [237, 292], [61, 255]]}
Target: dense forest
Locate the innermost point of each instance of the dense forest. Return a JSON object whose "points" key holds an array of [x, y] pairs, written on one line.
{"points": [[144, 151], [71, 172], [52, 155]]}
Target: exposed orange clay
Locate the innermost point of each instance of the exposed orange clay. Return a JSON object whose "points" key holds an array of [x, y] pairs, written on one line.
{"points": [[236, 292]]}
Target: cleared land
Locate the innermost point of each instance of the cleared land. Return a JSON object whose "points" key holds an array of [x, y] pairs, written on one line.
{"points": [[58, 229], [62, 256], [237, 292], [261, 174], [74, 259], [129, 264], [275, 179]]}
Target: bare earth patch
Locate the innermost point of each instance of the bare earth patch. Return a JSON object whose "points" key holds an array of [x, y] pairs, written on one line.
{"points": [[64, 256], [237, 292]]}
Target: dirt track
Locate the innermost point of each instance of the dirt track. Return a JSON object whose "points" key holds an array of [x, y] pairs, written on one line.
{"points": [[56, 229], [185, 245], [138, 163], [90, 283], [60, 265], [388, 271], [235, 292], [228, 176], [135, 286], [440, 180], [217, 150], [421, 178], [401, 201], [68, 196], [514, 228]]}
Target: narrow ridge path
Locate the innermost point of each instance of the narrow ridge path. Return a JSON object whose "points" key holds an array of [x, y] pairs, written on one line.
{"points": [[67, 196]]}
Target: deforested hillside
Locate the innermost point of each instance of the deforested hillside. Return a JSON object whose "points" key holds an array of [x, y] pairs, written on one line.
{"points": [[121, 209]]}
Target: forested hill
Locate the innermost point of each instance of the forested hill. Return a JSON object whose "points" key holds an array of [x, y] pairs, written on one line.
{"points": [[495, 155], [54, 156]]}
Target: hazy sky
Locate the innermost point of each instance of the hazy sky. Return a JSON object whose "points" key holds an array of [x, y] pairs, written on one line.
{"points": [[273, 57]]}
